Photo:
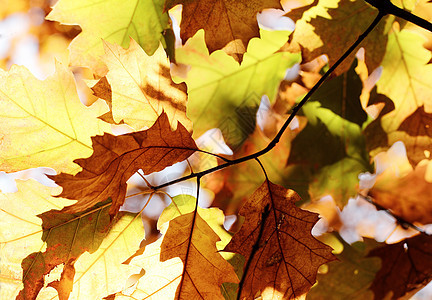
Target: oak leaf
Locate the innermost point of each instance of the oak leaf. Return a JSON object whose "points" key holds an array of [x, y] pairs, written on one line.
{"points": [[406, 267], [223, 21], [142, 87], [229, 92], [43, 123], [66, 238], [408, 196], [286, 263], [116, 158], [331, 28], [185, 263], [143, 20], [405, 77]]}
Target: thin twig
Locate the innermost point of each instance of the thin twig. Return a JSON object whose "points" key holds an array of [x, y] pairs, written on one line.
{"points": [[404, 223]]}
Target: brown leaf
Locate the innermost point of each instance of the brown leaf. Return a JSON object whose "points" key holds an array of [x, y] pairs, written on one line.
{"points": [[286, 262], [409, 197], [205, 269], [102, 89], [65, 284], [406, 267], [116, 158], [418, 124], [223, 21]]}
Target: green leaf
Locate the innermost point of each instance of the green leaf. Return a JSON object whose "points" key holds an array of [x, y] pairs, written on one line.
{"points": [[348, 278], [226, 95], [113, 21], [331, 148]]}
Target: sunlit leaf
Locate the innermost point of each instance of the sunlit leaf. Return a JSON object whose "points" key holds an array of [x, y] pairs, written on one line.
{"points": [[142, 87], [331, 28], [117, 21], [63, 241], [219, 87], [43, 123]]}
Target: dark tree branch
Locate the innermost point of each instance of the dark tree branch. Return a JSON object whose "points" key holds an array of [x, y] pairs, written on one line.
{"points": [[386, 7]]}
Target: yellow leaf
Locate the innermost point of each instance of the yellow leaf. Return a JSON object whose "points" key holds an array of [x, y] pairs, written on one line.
{"points": [[142, 87], [91, 252], [111, 20], [43, 123], [20, 229]]}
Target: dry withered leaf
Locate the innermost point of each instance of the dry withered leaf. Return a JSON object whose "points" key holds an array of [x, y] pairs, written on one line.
{"points": [[204, 268], [116, 158], [223, 21], [286, 262], [406, 267]]}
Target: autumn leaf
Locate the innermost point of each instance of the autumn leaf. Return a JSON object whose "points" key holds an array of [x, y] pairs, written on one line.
{"points": [[142, 87], [406, 84], [116, 158], [350, 276], [331, 28], [406, 267], [66, 238], [219, 87], [288, 256], [20, 229], [408, 196], [185, 263], [223, 21], [144, 21], [335, 119], [43, 123]]}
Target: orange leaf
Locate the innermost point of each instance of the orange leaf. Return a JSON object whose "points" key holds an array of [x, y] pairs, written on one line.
{"points": [[204, 268], [287, 259], [408, 196], [116, 158], [223, 21]]}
